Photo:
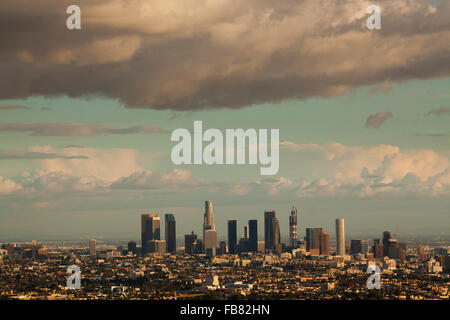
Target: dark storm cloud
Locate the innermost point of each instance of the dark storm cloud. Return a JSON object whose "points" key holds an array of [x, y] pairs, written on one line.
{"points": [[192, 54], [376, 120]]}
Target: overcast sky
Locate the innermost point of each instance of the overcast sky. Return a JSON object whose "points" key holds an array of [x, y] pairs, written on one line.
{"points": [[86, 115]]}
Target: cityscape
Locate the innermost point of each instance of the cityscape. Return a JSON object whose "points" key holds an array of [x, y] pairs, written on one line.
{"points": [[199, 157], [241, 268]]}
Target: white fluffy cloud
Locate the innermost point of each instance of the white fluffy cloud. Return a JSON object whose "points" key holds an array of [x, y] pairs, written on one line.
{"points": [[364, 171], [103, 164], [8, 186]]}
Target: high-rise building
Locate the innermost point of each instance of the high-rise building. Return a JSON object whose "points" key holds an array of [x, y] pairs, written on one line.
{"points": [[356, 246], [208, 217], [150, 228], [190, 242], [253, 235], [293, 233], [313, 238], [271, 232], [340, 237], [209, 230], [92, 248], [324, 243], [170, 235], [232, 236], [132, 247], [386, 240]]}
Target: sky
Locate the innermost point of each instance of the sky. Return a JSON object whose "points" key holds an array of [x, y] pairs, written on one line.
{"points": [[86, 115]]}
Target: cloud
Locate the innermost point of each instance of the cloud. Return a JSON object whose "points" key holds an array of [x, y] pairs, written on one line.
{"points": [[385, 87], [195, 54], [106, 165], [69, 129], [376, 120], [8, 186], [24, 154], [12, 107], [439, 112]]}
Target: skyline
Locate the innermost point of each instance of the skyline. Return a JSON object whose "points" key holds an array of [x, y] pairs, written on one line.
{"points": [[86, 115], [223, 235]]}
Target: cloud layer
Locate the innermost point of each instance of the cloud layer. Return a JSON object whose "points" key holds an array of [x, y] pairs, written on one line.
{"points": [[69, 129], [195, 54], [331, 170]]}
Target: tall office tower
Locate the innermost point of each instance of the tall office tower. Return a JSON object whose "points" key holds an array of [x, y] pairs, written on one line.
{"points": [[245, 232], [393, 248], [171, 235], [356, 246], [313, 238], [324, 243], [271, 232], [340, 237], [208, 225], [293, 233], [208, 218], [190, 242], [132, 247], [253, 235], [232, 236], [150, 228], [92, 249], [386, 240]]}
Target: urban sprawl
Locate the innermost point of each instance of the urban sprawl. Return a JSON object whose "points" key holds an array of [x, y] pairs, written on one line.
{"points": [[243, 268]]}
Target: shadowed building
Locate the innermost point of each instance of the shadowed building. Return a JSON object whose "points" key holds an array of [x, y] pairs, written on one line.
{"points": [[313, 238], [150, 230], [232, 236], [253, 235], [324, 243], [132, 247], [271, 232], [170, 235], [190, 243]]}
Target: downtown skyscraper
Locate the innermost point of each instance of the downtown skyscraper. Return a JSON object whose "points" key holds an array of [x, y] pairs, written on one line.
{"points": [[232, 236], [170, 233], [340, 237], [271, 232], [209, 230], [293, 231], [253, 235], [150, 230]]}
